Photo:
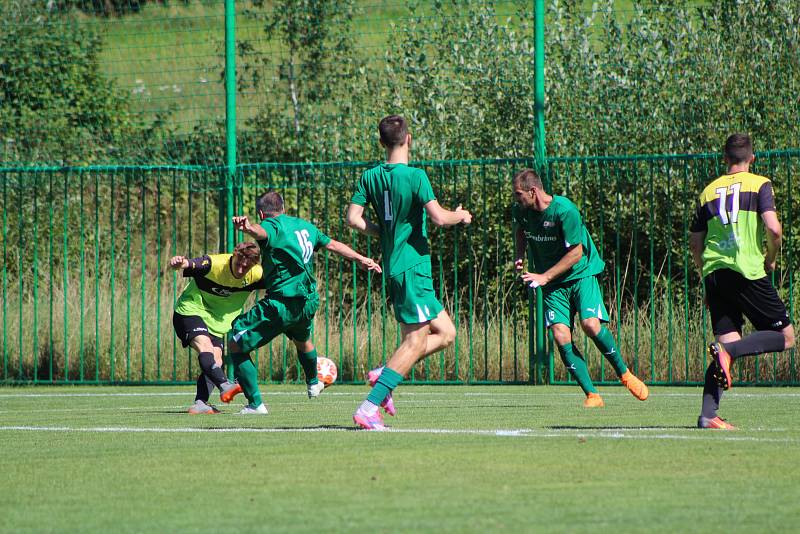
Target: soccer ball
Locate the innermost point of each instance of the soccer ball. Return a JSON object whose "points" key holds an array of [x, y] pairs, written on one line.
{"points": [[326, 370]]}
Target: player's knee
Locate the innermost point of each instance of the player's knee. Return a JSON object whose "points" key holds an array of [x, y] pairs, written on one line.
{"points": [[788, 337], [448, 334], [591, 326], [561, 334]]}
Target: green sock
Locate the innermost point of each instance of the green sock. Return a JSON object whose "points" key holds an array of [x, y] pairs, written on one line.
{"points": [[388, 380], [245, 372], [604, 341], [576, 366], [309, 362]]}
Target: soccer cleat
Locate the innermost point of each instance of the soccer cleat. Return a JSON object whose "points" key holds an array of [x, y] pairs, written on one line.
{"points": [[716, 423], [369, 422], [229, 391], [593, 400], [254, 410], [200, 407], [388, 402], [721, 357], [635, 386], [315, 389]]}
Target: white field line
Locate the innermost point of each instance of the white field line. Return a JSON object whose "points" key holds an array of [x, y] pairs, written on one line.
{"points": [[693, 435], [543, 392]]}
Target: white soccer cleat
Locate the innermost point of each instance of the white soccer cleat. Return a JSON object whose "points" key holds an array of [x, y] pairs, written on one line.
{"points": [[315, 389], [254, 410]]}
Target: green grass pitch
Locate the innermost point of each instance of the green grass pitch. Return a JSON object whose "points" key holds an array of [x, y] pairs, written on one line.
{"points": [[473, 458]]}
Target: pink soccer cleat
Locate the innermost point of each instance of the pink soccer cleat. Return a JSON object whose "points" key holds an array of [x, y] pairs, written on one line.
{"points": [[369, 422], [388, 403]]}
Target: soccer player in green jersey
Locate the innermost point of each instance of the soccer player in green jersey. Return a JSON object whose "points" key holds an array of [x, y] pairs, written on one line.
{"points": [[567, 265], [726, 238], [401, 197], [287, 249], [219, 287]]}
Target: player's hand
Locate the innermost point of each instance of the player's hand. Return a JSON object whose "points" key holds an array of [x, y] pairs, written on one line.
{"points": [[519, 265], [769, 266], [534, 279], [466, 217], [178, 262], [241, 222], [368, 264]]}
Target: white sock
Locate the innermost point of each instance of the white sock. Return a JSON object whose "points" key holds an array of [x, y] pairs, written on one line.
{"points": [[368, 407]]}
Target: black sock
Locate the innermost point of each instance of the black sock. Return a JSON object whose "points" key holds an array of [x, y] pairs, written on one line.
{"points": [[211, 370], [756, 343], [712, 393], [204, 388]]}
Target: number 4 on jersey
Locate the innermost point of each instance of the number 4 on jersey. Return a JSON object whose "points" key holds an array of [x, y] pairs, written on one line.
{"points": [[387, 207], [722, 192]]}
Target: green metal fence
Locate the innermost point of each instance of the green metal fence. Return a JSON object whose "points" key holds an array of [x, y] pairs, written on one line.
{"points": [[159, 119], [87, 297]]}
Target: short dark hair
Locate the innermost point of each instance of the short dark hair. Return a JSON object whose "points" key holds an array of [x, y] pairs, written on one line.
{"points": [[270, 203], [247, 249], [527, 178], [738, 148], [394, 130]]}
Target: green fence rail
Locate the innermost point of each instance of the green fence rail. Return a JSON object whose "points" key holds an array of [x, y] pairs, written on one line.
{"points": [[87, 297]]}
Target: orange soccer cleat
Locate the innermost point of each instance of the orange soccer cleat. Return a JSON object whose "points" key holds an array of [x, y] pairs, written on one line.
{"points": [[229, 392], [721, 357], [716, 423], [593, 400], [635, 386]]}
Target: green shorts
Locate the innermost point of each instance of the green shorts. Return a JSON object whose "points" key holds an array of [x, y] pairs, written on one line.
{"points": [[582, 296], [412, 295], [271, 317]]}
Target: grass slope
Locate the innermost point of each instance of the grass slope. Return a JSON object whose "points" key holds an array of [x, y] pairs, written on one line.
{"points": [[457, 459]]}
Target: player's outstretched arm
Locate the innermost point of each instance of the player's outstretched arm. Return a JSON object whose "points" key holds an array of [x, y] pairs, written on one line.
{"points": [[340, 249], [358, 221], [241, 222], [444, 217], [178, 262]]}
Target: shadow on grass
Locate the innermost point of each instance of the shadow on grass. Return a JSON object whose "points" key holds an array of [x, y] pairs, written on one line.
{"points": [[636, 427]]}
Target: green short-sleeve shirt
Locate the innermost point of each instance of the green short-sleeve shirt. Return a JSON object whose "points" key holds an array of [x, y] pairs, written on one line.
{"points": [[550, 233], [287, 256], [397, 194]]}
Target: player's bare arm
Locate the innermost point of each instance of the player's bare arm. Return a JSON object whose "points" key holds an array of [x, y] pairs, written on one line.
{"points": [[566, 262], [697, 242], [241, 222], [340, 249], [444, 217], [774, 233], [358, 221]]}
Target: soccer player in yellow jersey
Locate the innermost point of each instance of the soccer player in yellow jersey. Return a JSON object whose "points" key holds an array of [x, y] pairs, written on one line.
{"points": [[219, 287], [735, 213]]}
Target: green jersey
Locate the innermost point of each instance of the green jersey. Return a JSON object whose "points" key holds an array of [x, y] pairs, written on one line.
{"points": [[729, 212], [286, 256], [214, 294], [398, 194], [550, 233]]}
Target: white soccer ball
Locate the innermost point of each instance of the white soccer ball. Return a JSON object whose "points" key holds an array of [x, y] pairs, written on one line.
{"points": [[326, 370]]}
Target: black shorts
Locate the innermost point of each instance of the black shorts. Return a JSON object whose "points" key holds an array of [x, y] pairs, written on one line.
{"points": [[188, 327], [731, 296]]}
